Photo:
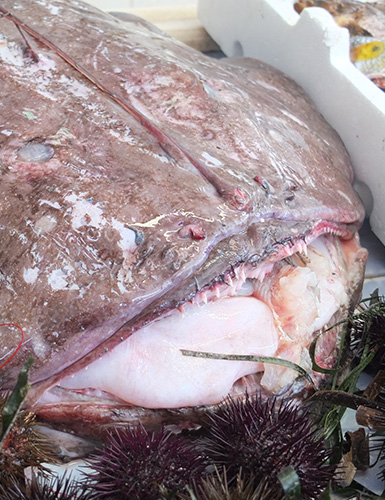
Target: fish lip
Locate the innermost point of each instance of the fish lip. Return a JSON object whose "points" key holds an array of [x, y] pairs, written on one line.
{"points": [[77, 416], [164, 305]]}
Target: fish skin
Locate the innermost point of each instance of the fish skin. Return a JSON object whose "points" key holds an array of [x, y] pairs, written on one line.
{"points": [[90, 239]]}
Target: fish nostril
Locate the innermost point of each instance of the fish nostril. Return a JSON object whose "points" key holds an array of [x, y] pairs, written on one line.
{"points": [[36, 153]]}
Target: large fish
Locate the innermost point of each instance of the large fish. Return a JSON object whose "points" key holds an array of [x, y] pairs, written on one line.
{"points": [[154, 200]]}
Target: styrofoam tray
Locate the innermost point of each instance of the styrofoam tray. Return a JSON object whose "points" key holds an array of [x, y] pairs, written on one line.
{"points": [[313, 50]]}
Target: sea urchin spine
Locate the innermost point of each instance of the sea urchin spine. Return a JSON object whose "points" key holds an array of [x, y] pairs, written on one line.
{"points": [[135, 463], [262, 437]]}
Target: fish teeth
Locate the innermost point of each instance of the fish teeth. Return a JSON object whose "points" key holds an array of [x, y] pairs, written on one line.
{"points": [[288, 251], [229, 280], [298, 246], [204, 297], [195, 300]]}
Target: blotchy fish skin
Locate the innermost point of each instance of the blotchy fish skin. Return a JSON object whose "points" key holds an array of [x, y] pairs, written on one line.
{"points": [[108, 219]]}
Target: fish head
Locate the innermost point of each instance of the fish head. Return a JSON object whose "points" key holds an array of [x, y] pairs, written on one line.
{"points": [[148, 189]]}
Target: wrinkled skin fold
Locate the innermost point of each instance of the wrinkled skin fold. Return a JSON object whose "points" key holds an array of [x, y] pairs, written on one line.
{"points": [[169, 180]]}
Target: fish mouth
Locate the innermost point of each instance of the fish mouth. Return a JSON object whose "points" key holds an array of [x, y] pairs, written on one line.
{"points": [[273, 309]]}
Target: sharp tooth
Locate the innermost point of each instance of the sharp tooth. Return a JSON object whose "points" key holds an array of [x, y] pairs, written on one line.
{"points": [[299, 247], [216, 290], [181, 309], [195, 300], [242, 274], [204, 297], [228, 280], [288, 251]]}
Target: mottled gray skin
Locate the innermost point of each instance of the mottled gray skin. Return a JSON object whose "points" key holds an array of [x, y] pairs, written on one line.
{"points": [[96, 239]]}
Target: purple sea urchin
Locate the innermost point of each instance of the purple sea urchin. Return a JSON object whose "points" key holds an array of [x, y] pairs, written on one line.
{"points": [[63, 488], [262, 437], [135, 463]]}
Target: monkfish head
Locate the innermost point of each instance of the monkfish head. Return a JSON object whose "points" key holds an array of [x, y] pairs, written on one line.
{"points": [[155, 201]]}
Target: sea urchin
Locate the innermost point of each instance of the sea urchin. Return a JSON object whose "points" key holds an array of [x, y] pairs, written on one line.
{"points": [[135, 463], [21, 447], [64, 488], [262, 437]]}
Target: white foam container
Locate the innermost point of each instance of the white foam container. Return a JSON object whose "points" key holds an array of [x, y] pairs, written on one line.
{"points": [[313, 50]]}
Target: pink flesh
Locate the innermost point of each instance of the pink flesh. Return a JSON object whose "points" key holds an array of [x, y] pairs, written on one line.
{"points": [[238, 325]]}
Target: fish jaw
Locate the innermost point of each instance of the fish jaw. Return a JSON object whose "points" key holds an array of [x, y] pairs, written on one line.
{"points": [[247, 314]]}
